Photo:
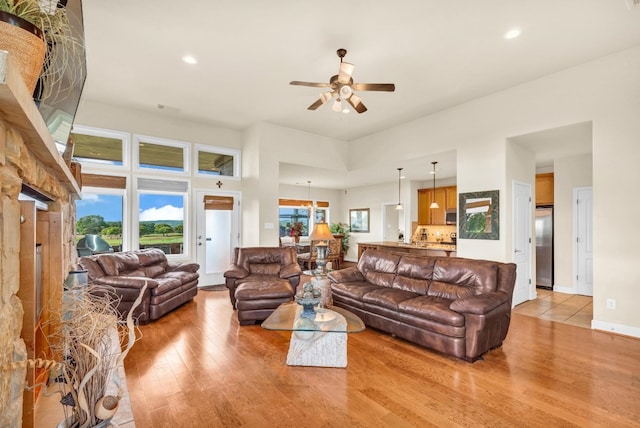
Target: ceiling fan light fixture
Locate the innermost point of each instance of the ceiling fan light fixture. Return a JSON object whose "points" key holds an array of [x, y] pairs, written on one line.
{"points": [[337, 106], [326, 96], [345, 92]]}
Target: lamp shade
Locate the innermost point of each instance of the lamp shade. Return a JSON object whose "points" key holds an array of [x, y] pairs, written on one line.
{"points": [[321, 232]]}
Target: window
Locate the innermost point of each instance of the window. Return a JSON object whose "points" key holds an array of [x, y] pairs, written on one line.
{"points": [[295, 219], [161, 214], [100, 148], [100, 212], [215, 161], [155, 153]]}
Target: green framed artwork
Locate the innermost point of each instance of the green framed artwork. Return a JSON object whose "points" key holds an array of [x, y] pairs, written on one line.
{"points": [[479, 215]]}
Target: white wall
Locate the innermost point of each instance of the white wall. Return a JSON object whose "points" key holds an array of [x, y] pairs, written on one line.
{"points": [[569, 173]]}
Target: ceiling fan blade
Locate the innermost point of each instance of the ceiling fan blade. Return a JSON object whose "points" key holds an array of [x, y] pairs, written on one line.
{"points": [[356, 103], [386, 87], [344, 75], [312, 84], [317, 104]]}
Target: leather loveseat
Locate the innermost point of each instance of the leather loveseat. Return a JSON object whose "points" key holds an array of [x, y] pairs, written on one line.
{"points": [[261, 279], [169, 284], [457, 306]]}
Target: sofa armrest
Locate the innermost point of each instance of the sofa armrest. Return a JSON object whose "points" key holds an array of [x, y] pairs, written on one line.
{"points": [[480, 304], [236, 272], [290, 271], [350, 274], [183, 267], [126, 281]]}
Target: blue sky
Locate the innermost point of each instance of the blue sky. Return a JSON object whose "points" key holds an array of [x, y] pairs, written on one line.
{"points": [[153, 207]]}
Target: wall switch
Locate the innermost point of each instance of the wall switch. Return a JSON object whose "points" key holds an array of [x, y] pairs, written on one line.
{"points": [[611, 303]]}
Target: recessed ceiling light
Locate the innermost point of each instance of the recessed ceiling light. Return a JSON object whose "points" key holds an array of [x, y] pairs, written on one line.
{"points": [[189, 59], [512, 34]]}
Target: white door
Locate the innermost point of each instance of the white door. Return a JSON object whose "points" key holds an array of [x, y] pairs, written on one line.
{"points": [[522, 210], [217, 234], [583, 199], [391, 222]]}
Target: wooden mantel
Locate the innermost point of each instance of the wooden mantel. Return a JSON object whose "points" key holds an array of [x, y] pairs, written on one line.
{"points": [[18, 109]]}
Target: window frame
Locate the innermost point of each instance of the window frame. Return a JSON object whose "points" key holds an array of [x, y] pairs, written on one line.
{"points": [[237, 161], [89, 166], [186, 216], [126, 226], [140, 138]]}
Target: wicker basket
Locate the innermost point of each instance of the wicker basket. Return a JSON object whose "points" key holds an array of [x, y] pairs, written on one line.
{"points": [[24, 43]]}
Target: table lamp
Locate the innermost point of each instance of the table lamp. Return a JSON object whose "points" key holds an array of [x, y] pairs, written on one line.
{"points": [[322, 234]]}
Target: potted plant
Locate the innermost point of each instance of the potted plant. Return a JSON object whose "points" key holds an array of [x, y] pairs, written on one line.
{"points": [[344, 230], [39, 35]]}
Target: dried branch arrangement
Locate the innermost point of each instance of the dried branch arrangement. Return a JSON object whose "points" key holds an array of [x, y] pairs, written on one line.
{"points": [[85, 336]]}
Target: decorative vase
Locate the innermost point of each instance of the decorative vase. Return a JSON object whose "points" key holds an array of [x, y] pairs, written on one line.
{"points": [[25, 45]]}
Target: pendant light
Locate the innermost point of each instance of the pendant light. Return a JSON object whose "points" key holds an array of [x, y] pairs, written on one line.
{"points": [[434, 204], [399, 206]]}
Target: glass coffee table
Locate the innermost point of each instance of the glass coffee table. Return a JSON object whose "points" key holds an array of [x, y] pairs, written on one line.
{"points": [[319, 340]]}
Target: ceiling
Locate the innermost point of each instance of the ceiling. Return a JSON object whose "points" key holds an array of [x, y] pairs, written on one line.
{"points": [[438, 54]]}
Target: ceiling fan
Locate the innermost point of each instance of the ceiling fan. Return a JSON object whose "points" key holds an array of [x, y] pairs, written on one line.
{"points": [[342, 85]]}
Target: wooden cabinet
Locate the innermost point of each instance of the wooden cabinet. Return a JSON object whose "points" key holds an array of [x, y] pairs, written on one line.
{"points": [[446, 197], [544, 189], [41, 278]]}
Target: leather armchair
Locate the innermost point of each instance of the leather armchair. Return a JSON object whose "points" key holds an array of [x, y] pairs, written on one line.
{"points": [[261, 279]]}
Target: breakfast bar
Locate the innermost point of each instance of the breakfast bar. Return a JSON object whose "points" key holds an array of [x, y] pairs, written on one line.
{"points": [[447, 249]]}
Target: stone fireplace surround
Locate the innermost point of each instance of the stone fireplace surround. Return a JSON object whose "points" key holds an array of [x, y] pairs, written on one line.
{"points": [[27, 155]]}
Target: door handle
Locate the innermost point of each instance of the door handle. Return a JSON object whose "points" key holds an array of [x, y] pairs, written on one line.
{"points": [[517, 251]]}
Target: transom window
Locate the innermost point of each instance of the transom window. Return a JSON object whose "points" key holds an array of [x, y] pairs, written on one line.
{"points": [[155, 153], [100, 147], [217, 161]]}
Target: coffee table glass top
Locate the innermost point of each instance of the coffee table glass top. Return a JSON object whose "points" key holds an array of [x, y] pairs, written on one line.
{"points": [[287, 317]]}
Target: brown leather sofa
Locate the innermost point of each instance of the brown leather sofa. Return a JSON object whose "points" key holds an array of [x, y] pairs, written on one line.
{"points": [[169, 284], [457, 306], [261, 279]]}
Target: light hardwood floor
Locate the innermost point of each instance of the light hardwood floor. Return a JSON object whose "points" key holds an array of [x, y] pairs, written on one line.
{"points": [[196, 367]]}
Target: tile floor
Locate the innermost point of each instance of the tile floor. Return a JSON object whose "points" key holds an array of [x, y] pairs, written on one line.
{"points": [[571, 309]]}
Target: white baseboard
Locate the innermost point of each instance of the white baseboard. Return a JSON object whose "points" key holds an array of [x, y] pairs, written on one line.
{"points": [[566, 290], [615, 328]]}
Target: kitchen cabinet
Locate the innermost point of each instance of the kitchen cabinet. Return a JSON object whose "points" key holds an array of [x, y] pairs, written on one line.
{"points": [[446, 197], [544, 189]]}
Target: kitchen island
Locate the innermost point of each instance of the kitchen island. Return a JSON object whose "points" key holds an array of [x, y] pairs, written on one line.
{"points": [[427, 248]]}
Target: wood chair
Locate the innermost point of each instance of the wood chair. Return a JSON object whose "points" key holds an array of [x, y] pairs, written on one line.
{"points": [[335, 248], [306, 260]]}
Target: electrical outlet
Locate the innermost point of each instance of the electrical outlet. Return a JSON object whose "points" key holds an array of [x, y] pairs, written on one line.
{"points": [[611, 303]]}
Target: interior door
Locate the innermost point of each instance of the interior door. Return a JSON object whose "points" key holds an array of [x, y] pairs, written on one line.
{"points": [[522, 210], [391, 223], [217, 234], [583, 198]]}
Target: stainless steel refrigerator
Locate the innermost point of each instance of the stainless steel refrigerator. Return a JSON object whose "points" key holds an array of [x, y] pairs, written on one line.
{"points": [[544, 247]]}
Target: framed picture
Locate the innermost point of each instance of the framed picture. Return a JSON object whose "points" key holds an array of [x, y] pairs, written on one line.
{"points": [[479, 215], [359, 220]]}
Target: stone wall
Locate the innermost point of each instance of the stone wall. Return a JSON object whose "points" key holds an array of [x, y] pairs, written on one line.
{"points": [[17, 165]]}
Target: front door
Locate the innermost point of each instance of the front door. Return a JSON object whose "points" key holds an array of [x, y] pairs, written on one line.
{"points": [[217, 233], [583, 198], [522, 210]]}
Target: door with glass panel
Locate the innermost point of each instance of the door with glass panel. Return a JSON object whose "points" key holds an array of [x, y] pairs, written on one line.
{"points": [[217, 233]]}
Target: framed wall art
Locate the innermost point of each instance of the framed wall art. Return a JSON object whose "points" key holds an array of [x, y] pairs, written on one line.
{"points": [[479, 215], [359, 220]]}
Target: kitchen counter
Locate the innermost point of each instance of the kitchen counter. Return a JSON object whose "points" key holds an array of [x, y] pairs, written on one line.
{"points": [[428, 248]]}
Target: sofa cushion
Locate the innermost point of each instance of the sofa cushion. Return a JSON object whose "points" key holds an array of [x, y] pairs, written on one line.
{"points": [[152, 256], [414, 274], [432, 308], [94, 270], [153, 270], [379, 267], [264, 268], [387, 297], [480, 274], [114, 264], [353, 290], [258, 290]]}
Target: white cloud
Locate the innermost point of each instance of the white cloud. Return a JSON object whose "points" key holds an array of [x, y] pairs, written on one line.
{"points": [[90, 198], [168, 212]]}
